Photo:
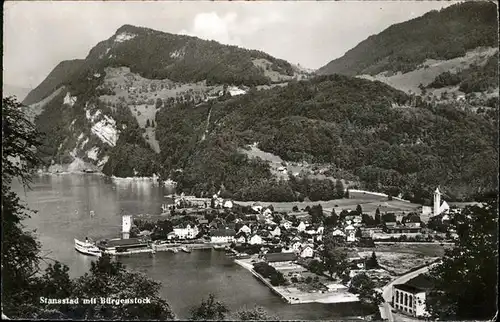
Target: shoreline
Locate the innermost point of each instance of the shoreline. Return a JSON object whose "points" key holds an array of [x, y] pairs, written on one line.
{"points": [[334, 297]]}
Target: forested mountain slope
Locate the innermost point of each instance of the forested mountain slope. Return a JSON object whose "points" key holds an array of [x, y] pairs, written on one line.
{"points": [[439, 35], [365, 128], [102, 108]]}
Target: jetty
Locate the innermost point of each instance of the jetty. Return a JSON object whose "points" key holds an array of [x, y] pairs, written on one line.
{"points": [[294, 296]]}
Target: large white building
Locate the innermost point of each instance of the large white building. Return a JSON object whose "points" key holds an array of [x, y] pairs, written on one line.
{"points": [[409, 298], [188, 232], [222, 236]]}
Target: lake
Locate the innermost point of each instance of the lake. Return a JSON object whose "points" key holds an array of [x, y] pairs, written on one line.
{"points": [[64, 202]]}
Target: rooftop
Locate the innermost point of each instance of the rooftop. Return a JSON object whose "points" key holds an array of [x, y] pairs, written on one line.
{"points": [[420, 283], [122, 242], [280, 257], [223, 232]]}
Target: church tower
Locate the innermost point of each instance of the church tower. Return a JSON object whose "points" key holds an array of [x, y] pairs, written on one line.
{"points": [[437, 201], [126, 225]]}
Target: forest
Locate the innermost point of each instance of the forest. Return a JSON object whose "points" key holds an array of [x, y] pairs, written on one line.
{"points": [[363, 128], [440, 35], [472, 79]]}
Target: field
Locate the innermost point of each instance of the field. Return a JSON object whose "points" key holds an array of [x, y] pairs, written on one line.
{"points": [[369, 205], [409, 82], [402, 257]]}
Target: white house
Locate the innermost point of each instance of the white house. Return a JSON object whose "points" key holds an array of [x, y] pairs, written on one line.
{"points": [[245, 229], [320, 230], [267, 212], [287, 224], [222, 236], [276, 231], [296, 246], [350, 232], [257, 207], [241, 238], [255, 240], [301, 226], [338, 233], [228, 204], [307, 252], [187, 232]]}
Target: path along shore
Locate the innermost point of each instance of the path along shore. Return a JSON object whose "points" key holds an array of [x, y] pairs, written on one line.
{"points": [[294, 296]]}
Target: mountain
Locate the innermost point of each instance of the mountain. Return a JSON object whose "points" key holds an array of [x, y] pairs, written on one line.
{"points": [[19, 92], [104, 105], [53, 81], [413, 54], [439, 35], [209, 116], [364, 131]]}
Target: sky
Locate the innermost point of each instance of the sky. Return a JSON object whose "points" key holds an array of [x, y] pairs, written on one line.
{"points": [[40, 34]]}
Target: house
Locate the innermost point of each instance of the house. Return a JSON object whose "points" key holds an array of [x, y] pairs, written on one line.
{"points": [[228, 204], [278, 259], [255, 240], [240, 237], [320, 230], [414, 224], [338, 233], [409, 298], [245, 229], [307, 252], [301, 226], [286, 250], [257, 207], [350, 232], [276, 231], [267, 212], [187, 232], [222, 236], [297, 246], [287, 224]]}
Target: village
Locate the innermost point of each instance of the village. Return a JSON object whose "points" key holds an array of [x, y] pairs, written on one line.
{"points": [[313, 254]]}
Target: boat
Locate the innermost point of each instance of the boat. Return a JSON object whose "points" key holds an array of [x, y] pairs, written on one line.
{"points": [[218, 247], [174, 250], [186, 249], [87, 248]]}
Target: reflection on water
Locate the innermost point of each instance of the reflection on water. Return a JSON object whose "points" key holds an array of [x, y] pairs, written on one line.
{"points": [[64, 203]]}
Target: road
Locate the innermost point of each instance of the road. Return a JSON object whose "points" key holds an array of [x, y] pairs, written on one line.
{"points": [[385, 308]]}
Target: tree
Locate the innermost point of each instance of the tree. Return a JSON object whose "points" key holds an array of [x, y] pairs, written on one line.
{"points": [[359, 210], [147, 123], [362, 285], [358, 233], [209, 309], [316, 213], [334, 258], [465, 280], [22, 281], [372, 262], [258, 313], [377, 217], [159, 103], [109, 278], [20, 249], [332, 220], [339, 189], [295, 209], [277, 278]]}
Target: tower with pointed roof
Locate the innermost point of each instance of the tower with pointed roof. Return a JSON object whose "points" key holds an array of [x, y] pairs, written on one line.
{"points": [[437, 201]]}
